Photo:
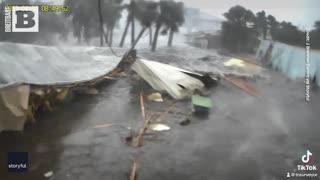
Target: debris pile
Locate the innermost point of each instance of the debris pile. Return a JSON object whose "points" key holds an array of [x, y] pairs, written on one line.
{"points": [[66, 73], [179, 83], [209, 62]]}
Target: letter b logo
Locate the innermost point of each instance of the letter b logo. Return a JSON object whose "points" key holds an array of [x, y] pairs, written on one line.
{"points": [[25, 19]]}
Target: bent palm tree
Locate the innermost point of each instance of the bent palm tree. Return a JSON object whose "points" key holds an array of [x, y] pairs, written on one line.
{"points": [[176, 20], [112, 15], [160, 21], [82, 20], [130, 20], [146, 13], [101, 22]]}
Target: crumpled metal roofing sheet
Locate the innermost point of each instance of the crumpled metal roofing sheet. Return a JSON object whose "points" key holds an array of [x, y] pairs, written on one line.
{"points": [[43, 65], [163, 77]]}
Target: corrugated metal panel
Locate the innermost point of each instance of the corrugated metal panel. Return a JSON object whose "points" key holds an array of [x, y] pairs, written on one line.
{"points": [[42, 65], [163, 77]]}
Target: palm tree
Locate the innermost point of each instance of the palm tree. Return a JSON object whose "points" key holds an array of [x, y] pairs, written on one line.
{"points": [[171, 16], [236, 34], [315, 36], [133, 7], [146, 13], [176, 20], [150, 35], [112, 14], [273, 25], [261, 22], [82, 20], [317, 25], [156, 34], [130, 20], [101, 22], [160, 21]]}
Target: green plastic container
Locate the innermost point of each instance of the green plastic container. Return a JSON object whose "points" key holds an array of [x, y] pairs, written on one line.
{"points": [[201, 104]]}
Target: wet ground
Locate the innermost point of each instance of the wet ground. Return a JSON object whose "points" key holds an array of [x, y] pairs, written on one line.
{"points": [[244, 137]]}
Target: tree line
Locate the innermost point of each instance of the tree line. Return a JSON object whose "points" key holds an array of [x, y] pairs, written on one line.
{"points": [[166, 15], [99, 18], [242, 28]]}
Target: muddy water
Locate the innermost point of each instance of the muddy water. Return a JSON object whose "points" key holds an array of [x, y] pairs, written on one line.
{"points": [[243, 138]]}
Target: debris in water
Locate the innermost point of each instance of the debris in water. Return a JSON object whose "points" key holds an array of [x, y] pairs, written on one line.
{"points": [[242, 85], [89, 91], [234, 62], [142, 131], [201, 104], [38, 92], [143, 114], [158, 127], [62, 94], [155, 97], [129, 139], [104, 126], [247, 66], [185, 122], [48, 174], [133, 171]]}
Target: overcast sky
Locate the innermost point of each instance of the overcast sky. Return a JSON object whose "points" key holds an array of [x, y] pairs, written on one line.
{"points": [[302, 13]]}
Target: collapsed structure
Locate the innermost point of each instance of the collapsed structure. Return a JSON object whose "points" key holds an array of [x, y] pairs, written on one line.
{"points": [[34, 77]]}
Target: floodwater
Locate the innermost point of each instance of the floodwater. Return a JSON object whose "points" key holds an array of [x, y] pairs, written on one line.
{"points": [[243, 138]]}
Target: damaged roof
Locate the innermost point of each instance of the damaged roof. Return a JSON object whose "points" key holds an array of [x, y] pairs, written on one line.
{"points": [[43, 65]]}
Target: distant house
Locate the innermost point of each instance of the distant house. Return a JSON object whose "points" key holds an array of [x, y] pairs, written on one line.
{"points": [[200, 21], [204, 40]]}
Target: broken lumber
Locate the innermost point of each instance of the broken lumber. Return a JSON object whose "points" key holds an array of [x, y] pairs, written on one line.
{"points": [[143, 114], [142, 131], [133, 171], [242, 86]]}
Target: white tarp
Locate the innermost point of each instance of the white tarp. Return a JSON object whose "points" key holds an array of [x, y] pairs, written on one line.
{"points": [[163, 77], [43, 65], [50, 65], [13, 107]]}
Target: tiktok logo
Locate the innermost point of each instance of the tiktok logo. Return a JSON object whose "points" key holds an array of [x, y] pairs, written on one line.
{"points": [[306, 158]]}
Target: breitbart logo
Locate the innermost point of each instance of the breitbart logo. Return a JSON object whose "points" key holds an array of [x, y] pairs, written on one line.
{"points": [[22, 19]]}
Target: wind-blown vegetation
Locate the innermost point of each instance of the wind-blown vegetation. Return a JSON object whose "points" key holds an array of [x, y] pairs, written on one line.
{"points": [[98, 19], [241, 30], [236, 32]]}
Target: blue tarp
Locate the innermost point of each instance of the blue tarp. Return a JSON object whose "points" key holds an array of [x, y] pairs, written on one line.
{"points": [[290, 60]]}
